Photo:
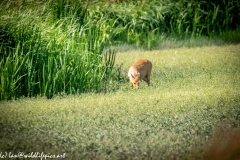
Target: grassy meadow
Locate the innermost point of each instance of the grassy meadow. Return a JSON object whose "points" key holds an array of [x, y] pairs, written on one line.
{"points": [[64, 88], [194, 93]]}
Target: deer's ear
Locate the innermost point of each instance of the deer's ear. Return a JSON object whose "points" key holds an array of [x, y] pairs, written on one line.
{"points": [[132, 75]]}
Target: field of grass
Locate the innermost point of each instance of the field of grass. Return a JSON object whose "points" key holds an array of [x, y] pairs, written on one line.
{"points": [[57, 47], [194, 92]]}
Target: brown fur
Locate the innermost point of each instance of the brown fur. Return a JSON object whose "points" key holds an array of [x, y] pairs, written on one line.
{"points": [[141, 69], [225, 147]]}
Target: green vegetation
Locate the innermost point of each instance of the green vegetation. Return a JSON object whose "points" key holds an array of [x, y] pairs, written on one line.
{"points": [[150, 21], [60, 47], [193, 93], [64, 85], [52, 49]]}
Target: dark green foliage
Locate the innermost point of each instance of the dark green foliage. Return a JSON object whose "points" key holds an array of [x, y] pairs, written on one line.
{"points": [[184, 17]]}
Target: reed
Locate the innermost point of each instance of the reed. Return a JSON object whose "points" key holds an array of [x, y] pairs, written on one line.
{"points": [[195, 18], [54, 53]]}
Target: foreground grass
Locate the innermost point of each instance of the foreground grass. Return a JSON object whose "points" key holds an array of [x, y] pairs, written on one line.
{"points": [[194, 92]]}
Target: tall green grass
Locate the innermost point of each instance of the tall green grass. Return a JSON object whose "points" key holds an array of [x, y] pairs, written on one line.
{"points": [[147, 21], [54, 49]]}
